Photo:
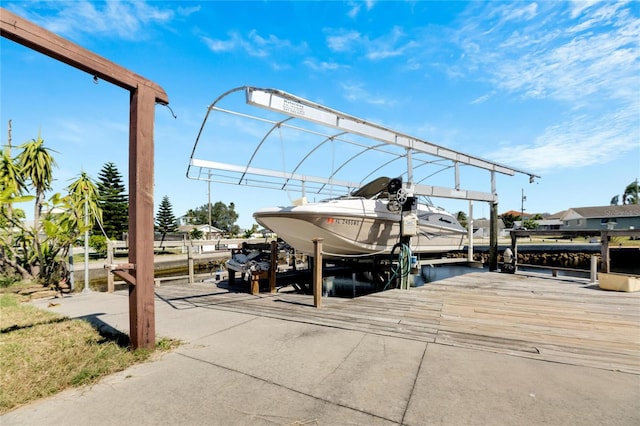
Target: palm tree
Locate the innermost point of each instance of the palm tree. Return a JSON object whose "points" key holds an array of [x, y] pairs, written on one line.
{"points": [[12, 188], [12, 184], [84, 197], [36, 166], [630, 194]]}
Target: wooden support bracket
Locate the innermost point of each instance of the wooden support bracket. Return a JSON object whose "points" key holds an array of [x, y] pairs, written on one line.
{"points": [[120, 267], [121, 271]]}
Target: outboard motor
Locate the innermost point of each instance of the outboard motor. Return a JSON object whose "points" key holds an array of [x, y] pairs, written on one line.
{"points": [[399, 198], [509, 261]]}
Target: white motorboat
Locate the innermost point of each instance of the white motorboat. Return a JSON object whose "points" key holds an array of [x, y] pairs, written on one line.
{"points": [[368, 221]]}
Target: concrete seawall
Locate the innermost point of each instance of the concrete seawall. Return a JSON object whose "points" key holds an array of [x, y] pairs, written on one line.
{"points": [[623, 259], [165, 265]]}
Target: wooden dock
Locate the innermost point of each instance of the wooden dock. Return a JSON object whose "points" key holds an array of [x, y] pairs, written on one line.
{"points": [[560, 320]]}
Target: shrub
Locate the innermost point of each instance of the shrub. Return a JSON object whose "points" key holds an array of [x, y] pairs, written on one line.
{"points": [[99, 244]]}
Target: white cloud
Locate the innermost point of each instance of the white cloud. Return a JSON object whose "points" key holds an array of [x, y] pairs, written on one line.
{"points": [[121, 19], [392, 44], [253, 44], [582, 58], [356, 6], [344, 41], [578, 6], [221, 45], [577, 142], [321, 65], [516, 12], [552, 57], [356, 93], [389, 45], [483, 98]]}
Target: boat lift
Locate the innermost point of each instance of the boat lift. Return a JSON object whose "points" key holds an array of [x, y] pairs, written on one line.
{"points": [[322, 149]]}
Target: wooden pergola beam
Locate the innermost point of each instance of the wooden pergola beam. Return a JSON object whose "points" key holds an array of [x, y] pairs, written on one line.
{"points": [[41, 40], [144, 95]]}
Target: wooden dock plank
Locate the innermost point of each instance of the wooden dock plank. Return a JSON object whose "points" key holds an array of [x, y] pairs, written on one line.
{"points": [[556, 320]]}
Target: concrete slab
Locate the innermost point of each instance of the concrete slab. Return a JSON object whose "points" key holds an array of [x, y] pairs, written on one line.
{"points": [[458, 386], [180, 390], [369, 373], [242, 368]]}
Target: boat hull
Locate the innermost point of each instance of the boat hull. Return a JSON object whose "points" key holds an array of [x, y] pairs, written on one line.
{"points": [[359, 227]]}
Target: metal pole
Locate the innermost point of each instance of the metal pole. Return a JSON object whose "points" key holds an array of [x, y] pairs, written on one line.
{"points": [[209, 203], [524, 198], [317, 272], [71, 272], [470, 232], [493, 237], [86, 245]]}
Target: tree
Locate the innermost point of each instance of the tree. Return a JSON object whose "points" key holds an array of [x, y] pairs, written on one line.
{"points": [[222, 217], [508, 219], [39, 252], [630, 194], [462, 218], [196, 234], [249, 232], [36, 165], [165, 220], [113, 201]]}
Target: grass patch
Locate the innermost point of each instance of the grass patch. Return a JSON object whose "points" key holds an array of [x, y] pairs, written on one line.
{"points": [[42, 353]]}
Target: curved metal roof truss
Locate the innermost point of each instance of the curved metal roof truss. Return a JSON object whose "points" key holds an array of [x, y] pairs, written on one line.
{"points": [[299, 145]]}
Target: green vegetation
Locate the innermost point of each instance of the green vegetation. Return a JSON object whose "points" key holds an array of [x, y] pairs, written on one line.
{"points": [[630, 195], [113, 202], [166, 222], [99, 244], [222, 217], [462, 218], [43, 353], [196, 234], [38, 251]]}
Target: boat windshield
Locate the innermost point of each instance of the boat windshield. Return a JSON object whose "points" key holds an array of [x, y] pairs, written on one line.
{"points": [[372, 189]]}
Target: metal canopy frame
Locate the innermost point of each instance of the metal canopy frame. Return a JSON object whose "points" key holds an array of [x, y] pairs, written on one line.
{"points": [[310, 120]]}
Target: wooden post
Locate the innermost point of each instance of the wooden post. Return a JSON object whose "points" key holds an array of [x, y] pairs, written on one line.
{"points": [[143, 97], [493, 237], [231, 279], [190, 263], [110, 280], [514, 250], [273, 267], [255, 283], [604, 251], [141, 295], [317, 272], [594, 269]]}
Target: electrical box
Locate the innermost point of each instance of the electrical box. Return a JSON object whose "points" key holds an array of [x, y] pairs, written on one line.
{"points": [[410, 225]]}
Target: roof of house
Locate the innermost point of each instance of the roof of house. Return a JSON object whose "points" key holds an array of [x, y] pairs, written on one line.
{"points": [[518, 214], [555, 215], [203, 228], [625, 210], [486, 223]]}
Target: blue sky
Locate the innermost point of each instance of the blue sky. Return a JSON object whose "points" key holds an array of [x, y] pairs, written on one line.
{"points": [[548, 87]]}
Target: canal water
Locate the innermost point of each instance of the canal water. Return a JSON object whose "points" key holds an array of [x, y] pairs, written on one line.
{"points": [[351, 286]]}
